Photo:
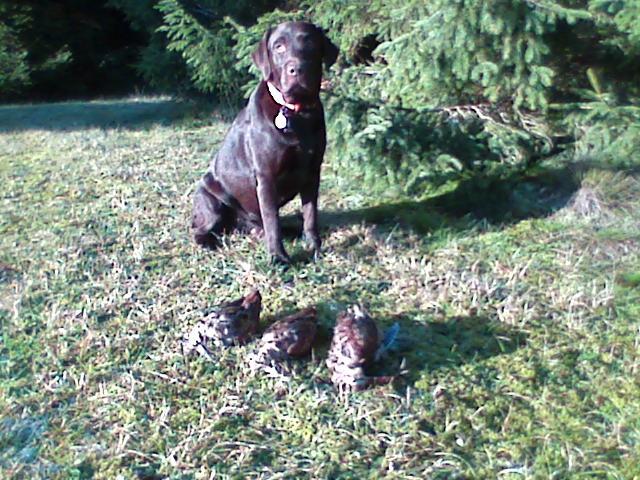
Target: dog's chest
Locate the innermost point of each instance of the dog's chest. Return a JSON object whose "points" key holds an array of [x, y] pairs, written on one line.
{"points": [[297, 161]]}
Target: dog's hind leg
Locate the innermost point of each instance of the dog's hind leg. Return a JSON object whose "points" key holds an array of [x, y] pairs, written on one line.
{"points": [[210, 218]]}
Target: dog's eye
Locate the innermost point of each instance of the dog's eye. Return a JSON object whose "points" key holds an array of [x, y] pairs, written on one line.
{"points": [[310, 47], [280, 48]]}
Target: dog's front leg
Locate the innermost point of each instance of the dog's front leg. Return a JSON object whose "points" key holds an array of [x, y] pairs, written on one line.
{"points": [[267, 198], [309, 198]]}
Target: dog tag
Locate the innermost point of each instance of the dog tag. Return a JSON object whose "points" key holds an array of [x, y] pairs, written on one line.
{"points": [[280, 121]]}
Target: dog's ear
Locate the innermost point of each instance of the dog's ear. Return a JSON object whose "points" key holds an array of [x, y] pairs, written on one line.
{"points": [[261, 55], [330, 53]]}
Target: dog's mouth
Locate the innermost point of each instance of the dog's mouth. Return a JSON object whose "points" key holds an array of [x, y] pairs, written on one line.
{"points": [[301, 102], [295, 98], [299, 94]]}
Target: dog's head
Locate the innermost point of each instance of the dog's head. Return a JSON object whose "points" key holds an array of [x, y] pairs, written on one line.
{"points": [[290, 57]]}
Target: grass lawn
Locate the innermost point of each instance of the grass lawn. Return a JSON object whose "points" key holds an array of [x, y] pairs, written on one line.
{"points": [[520, 333]]}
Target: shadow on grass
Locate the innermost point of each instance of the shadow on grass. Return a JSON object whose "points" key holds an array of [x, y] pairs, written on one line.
{"points": [[432, 346], [429, 346], [493, 200], [129, 114]]}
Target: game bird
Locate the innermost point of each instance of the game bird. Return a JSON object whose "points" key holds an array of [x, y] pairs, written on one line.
{"points": [[231, 323], [356, 344], [288, 338]]}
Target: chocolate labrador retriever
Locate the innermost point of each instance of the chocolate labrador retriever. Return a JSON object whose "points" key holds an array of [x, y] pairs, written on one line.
{"points": [[274, 148]]}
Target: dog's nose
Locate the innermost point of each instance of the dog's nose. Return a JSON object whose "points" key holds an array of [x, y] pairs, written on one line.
{"points": [[293, 69]]}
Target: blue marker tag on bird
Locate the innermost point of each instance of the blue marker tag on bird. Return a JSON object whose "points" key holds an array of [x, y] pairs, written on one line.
{"points": [[388, 340]]}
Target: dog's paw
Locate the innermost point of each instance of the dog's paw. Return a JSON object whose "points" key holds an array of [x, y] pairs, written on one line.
{"points": [[280, 259], [208, 241], [257, 233], [313, 242]]}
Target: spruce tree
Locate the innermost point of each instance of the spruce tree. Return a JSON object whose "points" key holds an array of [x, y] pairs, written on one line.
{"points": [[485, 87], [206, 34], [425, 91], [162, 69], [14, 69]]}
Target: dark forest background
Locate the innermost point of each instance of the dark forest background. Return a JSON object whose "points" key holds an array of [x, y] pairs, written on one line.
{"points": [[423, 91], [52, 50]]}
